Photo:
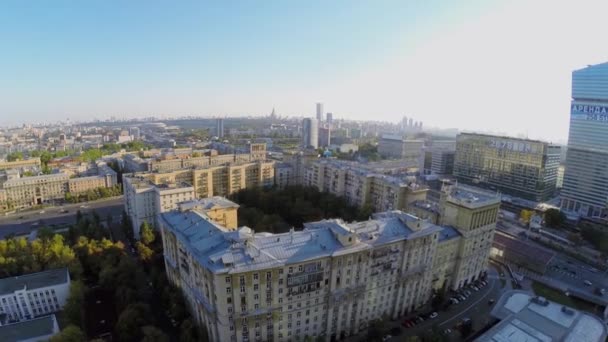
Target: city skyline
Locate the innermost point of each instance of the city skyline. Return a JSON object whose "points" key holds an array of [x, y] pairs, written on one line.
{"points": [[462, 66]]}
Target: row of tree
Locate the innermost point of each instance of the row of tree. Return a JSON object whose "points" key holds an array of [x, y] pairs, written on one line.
{"points": [[93, 194], [276, 210]]}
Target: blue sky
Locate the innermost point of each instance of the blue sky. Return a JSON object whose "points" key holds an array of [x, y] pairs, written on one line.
{"points": [[459, 64]]}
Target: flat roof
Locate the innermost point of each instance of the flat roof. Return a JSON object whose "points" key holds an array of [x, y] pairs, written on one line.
{"points": [[34, 280], [30, 329], [223, 251], [524, 319]]}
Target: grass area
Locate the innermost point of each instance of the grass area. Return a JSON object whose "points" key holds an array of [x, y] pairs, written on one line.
{"points": [[559, 297]]}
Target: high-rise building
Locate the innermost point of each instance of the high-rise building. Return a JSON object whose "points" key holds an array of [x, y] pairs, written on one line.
{"points": [[395, 146], [319, 112], [134, 132], [219, 127], [310, 133], [585, 188], [518, 167], [330, 118]]}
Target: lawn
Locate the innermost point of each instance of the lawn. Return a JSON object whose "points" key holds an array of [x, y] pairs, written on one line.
{"points": [[559, 297]]}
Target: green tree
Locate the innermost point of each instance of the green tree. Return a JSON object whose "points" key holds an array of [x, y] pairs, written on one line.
{"points": [[146, 234], [145, 253], [554, 218], [73, 309], [130, 321], [14, 156], [71, 333]]}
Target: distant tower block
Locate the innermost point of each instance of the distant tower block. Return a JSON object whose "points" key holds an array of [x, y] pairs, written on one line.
{"points": [[319, 112]]}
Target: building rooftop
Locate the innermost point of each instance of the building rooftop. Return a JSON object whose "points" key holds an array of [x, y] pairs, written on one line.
{"points": [[34, 281], [525, 317], [30, 329], [448, 233], [207, 203], [470, 196], [224, 251]]}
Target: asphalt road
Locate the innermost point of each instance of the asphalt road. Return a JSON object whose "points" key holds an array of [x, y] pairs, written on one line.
{"points": [[23, 223]]}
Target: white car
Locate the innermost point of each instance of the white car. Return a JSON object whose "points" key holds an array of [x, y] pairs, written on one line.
{"points": [[433, 315], [386, 338]]}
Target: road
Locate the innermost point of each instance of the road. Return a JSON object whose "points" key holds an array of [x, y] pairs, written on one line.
{"points": [[23, 223], [566, 270]]}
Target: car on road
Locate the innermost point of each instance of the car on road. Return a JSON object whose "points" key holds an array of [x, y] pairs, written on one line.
{"points": [[600, 291], [475, 288], [453, 300], [84, 206], [433, 315], [41, 212], [386, 338], [587, 282], [447, 331], [491, 301]]}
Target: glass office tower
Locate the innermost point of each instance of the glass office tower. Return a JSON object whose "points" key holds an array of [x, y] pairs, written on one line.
{"points": [[585, 188]]}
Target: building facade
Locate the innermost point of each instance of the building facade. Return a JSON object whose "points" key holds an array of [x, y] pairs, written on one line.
{"points": [[327, 281], [585, 185], [310, 133], [148, 194], [20, 164], [361, 187], [518, 167], [29, 191], [32, 295], [399, 148]]}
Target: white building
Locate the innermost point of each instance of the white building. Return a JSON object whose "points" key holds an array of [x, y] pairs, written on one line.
{"points": [[32, 295], [144, 200], [319, 112]]}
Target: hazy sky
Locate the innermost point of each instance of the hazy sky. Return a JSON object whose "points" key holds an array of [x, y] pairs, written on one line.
{"points": [[502, 66]]}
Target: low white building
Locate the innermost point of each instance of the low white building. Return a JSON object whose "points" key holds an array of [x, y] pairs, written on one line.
{"points": [[32, 295]]}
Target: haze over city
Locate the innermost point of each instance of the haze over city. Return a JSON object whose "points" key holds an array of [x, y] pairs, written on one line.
{"points": [[495, 66]]}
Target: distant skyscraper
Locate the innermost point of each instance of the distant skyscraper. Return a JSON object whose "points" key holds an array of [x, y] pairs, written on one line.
{"points": [[330, 118], [319, 112], [310, 133], [411, 123], [273, 115], [219, 127], [585, 188]]}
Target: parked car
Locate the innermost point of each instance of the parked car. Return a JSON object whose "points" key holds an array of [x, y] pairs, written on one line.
{"points": [[475, 288], [433, 315], [386, 338], [587, 282], [492, 301]]}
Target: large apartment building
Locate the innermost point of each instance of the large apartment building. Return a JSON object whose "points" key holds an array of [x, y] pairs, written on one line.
{"points": [[519, 167], [148, 194], [329, 280], [20, 164], [22, 192], [33, 295], [175, 162], [361, 186]]}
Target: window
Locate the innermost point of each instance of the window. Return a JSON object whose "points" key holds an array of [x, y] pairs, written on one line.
{"points": [[242, 289], [229, 290], [255, 287], [227, 280], [268, 275], [255, 276], [291, 270], [229, 300]]}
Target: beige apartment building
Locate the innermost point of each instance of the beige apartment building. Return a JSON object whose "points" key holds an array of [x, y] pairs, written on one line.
{"points": [[29, 191], [20, 164], [145, 193], [168, 163], [329, 280], [361, 186]]}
